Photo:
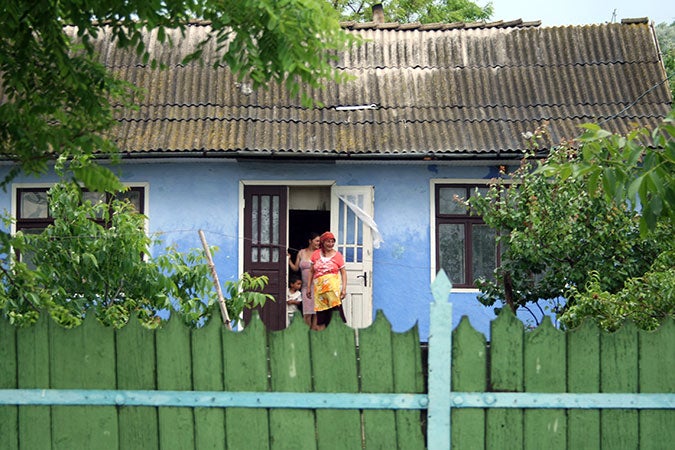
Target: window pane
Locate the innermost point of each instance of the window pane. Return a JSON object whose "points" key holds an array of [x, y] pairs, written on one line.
{"points": [[484, 250], [95, 198], [27, 257], [34, 205], [254, 221], [451, 244], [134, 197], [447, 203]]}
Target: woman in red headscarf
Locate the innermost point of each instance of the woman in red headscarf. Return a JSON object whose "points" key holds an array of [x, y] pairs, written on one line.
{"points": [[329, 279]]}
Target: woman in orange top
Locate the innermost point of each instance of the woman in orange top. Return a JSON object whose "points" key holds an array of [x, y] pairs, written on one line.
{"points": [[329, 278]]}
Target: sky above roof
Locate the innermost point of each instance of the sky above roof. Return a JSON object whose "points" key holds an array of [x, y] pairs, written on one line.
{"points": [[582, 12]]}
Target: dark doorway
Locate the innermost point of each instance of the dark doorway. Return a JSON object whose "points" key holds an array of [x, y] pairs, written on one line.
{"points": [[301, 223]]}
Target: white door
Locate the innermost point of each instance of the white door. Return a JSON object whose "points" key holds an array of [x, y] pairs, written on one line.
{"points": [[349, 206]]}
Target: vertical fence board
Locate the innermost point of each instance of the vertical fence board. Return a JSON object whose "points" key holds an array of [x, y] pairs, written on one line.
{"points": [[619, 373], [408, 378], [245, 369], [291, 371], [83, 358], [469, 374], [207, 375], [505, 427], [174, 373], [583, 375], [334, 369], [544, 372], [8, 361], [33, 372], [657, 375], [137, 369], [377, 376]]}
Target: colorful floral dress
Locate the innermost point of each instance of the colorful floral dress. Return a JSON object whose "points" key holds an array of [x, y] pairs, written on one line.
{"points": [[327, 280]]}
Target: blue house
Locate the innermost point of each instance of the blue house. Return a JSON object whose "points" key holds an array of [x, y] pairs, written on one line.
{"points": [[432, 113]]}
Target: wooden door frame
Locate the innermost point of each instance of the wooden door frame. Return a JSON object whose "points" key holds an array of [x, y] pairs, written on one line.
{"points": [[262, 183]]}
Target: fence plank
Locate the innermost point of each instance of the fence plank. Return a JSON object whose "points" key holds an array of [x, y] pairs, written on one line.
{"points": [[505, 427], [33, 373], [619, 373], [174, 372], [207, 375], [583, 376], [8, 414], [136, 369], [469, 374], [377, 376], [657, 369], [334, 370], [408, 378], [291, 371], [83, 358], [542, 373], [245, 369]]}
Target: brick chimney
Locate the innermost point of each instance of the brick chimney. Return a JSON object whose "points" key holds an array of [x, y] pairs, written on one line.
{"points": [[378, 13]]}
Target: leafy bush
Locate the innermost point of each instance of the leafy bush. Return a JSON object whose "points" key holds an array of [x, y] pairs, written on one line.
{"points": [[96, 257], [592, 222]]}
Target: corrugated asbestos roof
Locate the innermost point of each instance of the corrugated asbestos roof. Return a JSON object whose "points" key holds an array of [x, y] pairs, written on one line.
{"points": [[447, 90]]}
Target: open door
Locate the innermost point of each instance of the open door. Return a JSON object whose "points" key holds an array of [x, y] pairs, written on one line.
{"points": [[350, 205], [265, 219]]}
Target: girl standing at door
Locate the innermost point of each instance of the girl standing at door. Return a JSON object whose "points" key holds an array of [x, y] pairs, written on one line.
{"points": [[329, 279], [303, 263]]}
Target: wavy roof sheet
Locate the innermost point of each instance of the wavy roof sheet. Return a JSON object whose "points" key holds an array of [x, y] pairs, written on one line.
{"points": [[447, 90]]}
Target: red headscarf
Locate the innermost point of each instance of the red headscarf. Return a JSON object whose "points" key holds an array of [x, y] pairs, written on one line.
{"points": [[327, 235]]}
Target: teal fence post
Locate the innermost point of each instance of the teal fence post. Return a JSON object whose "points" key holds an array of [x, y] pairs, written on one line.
{"points": [[440, 357]]}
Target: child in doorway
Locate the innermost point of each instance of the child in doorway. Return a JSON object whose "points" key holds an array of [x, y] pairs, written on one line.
{"points": [[293, 297]]}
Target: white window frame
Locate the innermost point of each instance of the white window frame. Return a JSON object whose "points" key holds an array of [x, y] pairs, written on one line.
{"points": [[16, 186], [478, 182]]}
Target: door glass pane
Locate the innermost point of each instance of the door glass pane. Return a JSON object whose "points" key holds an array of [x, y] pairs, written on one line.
{"points": [[451, 251], [34, 205], [484, 249], [254, 228], [264, 234], [264, 254], [265, 219], [275, 228], [447, 203]]}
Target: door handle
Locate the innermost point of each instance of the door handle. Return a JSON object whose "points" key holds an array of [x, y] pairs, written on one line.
{"points": [[365, 278]]}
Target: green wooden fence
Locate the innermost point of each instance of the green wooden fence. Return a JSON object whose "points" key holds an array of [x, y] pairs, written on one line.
{"points": [[97, 388]]}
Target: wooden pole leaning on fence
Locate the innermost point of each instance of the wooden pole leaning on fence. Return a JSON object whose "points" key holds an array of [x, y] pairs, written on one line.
{"points": [[219, 291]]}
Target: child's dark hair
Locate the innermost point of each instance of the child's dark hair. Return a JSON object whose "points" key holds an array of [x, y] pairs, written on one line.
{"points": [[292, 278]]}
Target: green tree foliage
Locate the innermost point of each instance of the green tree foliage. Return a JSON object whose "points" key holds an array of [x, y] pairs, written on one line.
{"points": [[666, 36], [96, 257], [407, 11], [561, 237], [56, 102], [637, 169]]}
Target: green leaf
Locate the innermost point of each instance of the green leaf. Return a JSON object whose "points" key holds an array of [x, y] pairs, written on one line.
{"points": [[98, 178]]}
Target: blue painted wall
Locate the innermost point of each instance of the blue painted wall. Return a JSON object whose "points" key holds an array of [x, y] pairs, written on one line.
{"points": [[185, 196]]}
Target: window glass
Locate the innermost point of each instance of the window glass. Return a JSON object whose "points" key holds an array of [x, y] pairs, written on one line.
{"points": [[33, 205], [447, 200], [484, 251], [465, 247], [451, 244], [133, 196]]}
